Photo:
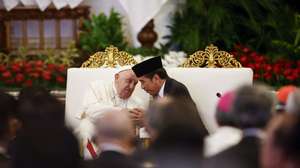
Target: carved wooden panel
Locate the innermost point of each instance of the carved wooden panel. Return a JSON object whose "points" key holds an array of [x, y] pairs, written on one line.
{"points": [[38, 30]]}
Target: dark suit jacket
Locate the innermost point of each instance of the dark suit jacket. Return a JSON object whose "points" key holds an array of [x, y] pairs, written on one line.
{"points": [[112, 159], [243, 155], [174, 88], [173, 150]]}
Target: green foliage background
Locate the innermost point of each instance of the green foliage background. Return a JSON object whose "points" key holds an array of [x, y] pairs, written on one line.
{"points": [[101, 31], [267, 26]]}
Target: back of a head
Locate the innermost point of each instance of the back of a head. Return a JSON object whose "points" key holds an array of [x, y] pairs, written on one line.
{"points": [[176, 121], [52, 148], [114, 125], [252, 107], [283, 141], [31, 92], [40, 108], [178, 133], [8, 109]]}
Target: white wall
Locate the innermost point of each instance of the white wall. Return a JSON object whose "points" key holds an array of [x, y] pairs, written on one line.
{"points": [[161, 20]]}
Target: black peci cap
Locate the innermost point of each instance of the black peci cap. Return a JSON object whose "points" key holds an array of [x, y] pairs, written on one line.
{"points": [[147, 66]]}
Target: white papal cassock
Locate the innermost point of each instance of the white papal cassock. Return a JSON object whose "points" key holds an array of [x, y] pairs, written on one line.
{"points": [[101, 97]]}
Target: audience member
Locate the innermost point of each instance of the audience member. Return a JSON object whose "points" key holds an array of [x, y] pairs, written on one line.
{"points": [[44, 141], [177, 133], [252, 109], [38, 106], [215, 143], [175, 127], [114, 136], [281, 148], [31, 92], [47, 147]]}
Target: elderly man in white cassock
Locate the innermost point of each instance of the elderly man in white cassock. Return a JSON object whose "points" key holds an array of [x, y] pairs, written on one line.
{"points": [[107, 96]]}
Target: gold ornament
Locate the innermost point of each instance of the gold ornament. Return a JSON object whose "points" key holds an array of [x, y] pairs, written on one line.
{"points": [[211, 58], [111, 57]]}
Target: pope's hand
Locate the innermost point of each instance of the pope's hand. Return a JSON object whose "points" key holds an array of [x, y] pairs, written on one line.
{"points": [[137, 116]]}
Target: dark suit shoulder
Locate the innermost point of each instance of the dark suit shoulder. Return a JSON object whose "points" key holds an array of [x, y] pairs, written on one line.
{"points": [[243, 155], [174, 88], [112, 159]]}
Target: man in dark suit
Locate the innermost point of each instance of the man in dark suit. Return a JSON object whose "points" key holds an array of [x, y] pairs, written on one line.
{"points": [[155, 80], [281, 147], [43, 141], [252, 109], [177, 135]]}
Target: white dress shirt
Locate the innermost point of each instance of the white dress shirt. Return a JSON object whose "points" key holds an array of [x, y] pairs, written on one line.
{"points": [[161, 91]]}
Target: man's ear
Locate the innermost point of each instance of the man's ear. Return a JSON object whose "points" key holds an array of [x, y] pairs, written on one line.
{"points": [[155, 78], [117, 76]]}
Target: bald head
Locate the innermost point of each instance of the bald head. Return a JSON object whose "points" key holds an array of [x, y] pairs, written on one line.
{"points": [[115, 124]]}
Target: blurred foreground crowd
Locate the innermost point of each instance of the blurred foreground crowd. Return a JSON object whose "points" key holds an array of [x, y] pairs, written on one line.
{"points": [[257, 128]]}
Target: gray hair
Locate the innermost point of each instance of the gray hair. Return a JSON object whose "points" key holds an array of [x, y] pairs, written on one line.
{"points": [[293, 102], [252, 107], [115, 125]]}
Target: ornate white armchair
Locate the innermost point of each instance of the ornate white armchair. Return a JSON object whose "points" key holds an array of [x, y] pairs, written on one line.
{"points": [[203, 83]]}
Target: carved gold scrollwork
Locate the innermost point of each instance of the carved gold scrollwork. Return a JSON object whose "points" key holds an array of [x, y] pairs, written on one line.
{"points": [[111, 57], [212, 58]]}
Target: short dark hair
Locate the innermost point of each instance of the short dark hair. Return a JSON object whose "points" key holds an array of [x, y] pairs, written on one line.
{"points": [[46, 146], [176, 121], [38, 106], [225, 118], [31, 92], [161, 72]]}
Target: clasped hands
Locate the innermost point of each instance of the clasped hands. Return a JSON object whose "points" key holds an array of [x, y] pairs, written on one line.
{"points": [[137, 116]]}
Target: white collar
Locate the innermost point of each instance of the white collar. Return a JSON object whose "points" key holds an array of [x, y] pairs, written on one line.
{"points": [[161, 91], [112, 147]]}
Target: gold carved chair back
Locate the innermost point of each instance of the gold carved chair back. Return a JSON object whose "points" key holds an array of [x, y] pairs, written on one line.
{"points": [[110, 58], [211, 57]]}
